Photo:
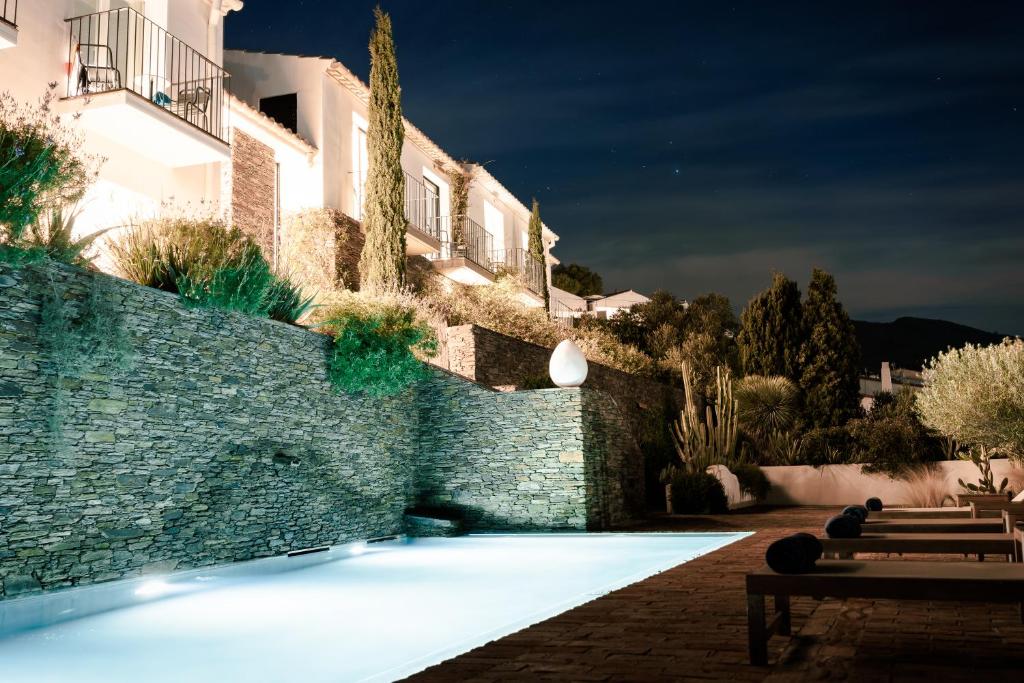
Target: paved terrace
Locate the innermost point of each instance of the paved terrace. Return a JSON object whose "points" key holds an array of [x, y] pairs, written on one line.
{"points": [[689, 624]]}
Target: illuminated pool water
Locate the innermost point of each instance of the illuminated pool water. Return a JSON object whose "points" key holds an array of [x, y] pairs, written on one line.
{"points": [[358, 613]]}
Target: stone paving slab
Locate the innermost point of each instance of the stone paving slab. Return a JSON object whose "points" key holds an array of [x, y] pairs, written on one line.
{"points": [[689, 624]]}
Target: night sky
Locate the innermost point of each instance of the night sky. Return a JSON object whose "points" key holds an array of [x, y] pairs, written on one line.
{"points": [[699, 146]]}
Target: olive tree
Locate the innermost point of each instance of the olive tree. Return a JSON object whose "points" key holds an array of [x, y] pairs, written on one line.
{"points": [[975, 395]]}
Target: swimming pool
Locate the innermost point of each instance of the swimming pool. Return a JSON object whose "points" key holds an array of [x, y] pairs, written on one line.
{"points": [[361, 612]]}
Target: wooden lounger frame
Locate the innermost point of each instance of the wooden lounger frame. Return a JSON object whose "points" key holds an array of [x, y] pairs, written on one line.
{"points": [[931, 544], [884, 580], [933, 526]]}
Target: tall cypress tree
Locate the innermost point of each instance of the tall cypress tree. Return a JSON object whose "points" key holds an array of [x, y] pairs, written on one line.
{"points": [[830, 357], [771, 331], [536, 234], [382, 263]]}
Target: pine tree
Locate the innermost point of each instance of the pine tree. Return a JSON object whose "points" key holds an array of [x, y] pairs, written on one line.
{"points": [[830, 356], [382, 263], [771, 331], [536, 234]]}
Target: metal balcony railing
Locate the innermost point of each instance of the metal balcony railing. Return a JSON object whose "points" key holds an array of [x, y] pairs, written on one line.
{"points": [[123, 50], [465, 238], [564, 314], [9, 11], [423, 207], [522, 263]]}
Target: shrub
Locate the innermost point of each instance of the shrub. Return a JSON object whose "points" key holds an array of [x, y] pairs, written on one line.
{"points": [[826, 446], [40, 164], [208, 264], [887, 445], [53, 234], [766, 404], [376, 340], [925, 487], [752, 480], [976, 395], [497, 307], [697, 493]]}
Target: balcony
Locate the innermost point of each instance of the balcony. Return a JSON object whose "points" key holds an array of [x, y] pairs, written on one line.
{"points": [[465, 253], [522, 264], [8, 23], [423, 211], [134, 83]]}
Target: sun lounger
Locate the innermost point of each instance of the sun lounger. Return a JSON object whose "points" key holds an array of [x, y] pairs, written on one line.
{"points": [[933, 526], [928, 544], [957, 581], [922, 513], [986, 508]]}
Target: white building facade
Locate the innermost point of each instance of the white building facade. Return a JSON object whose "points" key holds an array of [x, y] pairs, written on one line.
{"points": [[323, 102], [146, 83], [143, 83]]}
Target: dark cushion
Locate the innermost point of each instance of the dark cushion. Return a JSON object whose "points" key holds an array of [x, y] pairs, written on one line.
{"points": [[858, 511], [812, 544], [843, 526], [873, 504], [793, 554]]}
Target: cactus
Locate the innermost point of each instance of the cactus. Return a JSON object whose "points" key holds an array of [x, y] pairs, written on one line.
{"points": [[711, 440], [986, 484]]}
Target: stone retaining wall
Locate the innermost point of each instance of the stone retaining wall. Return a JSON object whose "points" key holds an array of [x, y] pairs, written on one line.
{"points": [[541, 459], [223, 441]]}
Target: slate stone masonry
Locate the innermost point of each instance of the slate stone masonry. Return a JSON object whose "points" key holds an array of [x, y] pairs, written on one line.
{"points": [[224, 442]]}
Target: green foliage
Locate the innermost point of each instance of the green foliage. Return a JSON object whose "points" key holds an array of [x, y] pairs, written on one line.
{"points": [[375, 344], [576, 279], [766, 404], [976, 395], [986, 483], [208, 265], [829, 356], [536, 244], [826, 446], [382, 264], [288, 304], [460, 178], [497, 307], [40, 165], [752, 479], [702, 333], [887, 445], [53, 233], [772, 331], [711, 439], [695, 493]]}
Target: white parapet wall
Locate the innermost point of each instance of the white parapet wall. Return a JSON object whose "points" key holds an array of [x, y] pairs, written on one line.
{"points": [[849, 485]]}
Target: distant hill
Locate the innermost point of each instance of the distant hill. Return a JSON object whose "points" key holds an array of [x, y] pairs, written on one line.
{"points": [[909, 342]]}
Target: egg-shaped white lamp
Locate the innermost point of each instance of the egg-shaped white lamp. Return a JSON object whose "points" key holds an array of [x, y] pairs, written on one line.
{"points": [[567, 367]]}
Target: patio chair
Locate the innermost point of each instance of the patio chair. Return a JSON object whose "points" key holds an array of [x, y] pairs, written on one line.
{"points": [[97, 72], [939, 581], [192, 105]]}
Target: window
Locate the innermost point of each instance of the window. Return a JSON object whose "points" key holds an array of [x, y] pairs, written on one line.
{"points": [[432, 205], [494, 224], [282, 108]]}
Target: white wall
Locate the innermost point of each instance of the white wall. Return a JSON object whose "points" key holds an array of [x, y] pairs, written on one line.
{"points": [[849, 485], [130, 186]]}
